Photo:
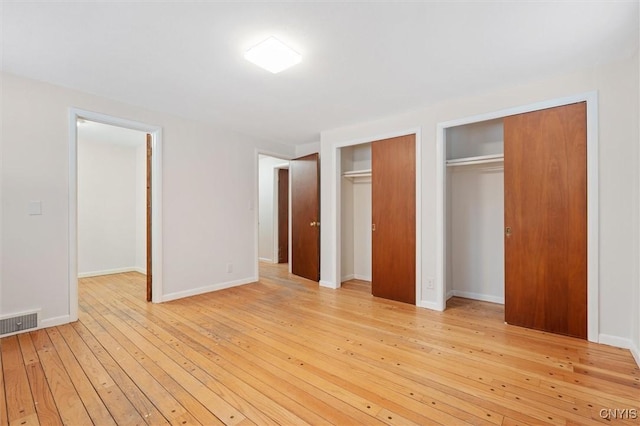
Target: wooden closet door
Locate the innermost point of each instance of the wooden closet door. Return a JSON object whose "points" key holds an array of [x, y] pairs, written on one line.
{"points": [[393, 194], [545, 180]]}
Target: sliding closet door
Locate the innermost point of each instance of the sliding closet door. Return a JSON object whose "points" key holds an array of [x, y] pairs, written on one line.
{"points": [[545, 175], [393, 193]]}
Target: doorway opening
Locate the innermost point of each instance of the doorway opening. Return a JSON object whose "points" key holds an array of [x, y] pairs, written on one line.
{"points": [[114, 203], [273, 211]]}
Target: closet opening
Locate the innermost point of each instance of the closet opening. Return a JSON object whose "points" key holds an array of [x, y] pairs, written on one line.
{"points": [[544, 229], [378, 217], [474, 211], [355, 214]]}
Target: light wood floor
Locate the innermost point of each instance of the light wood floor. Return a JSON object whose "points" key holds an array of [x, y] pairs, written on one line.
{"points": [[283, 351]]}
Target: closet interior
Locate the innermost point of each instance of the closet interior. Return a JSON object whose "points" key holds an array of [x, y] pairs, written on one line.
{"points": [[356, 212], [474, 216]]}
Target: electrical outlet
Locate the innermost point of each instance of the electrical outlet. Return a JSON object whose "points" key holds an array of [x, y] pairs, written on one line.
{"points": [[430, 283], [229, 268]]}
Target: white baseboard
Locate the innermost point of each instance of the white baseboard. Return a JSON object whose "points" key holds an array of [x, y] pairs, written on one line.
{"points": [[207, 289], [328, 284], [449, 294], [140, 270], [618, 342], [111, 271], [348, 277], [477, 296], [52, 322], [635, 351], [429, 305], [266, 259], [362, 277]]}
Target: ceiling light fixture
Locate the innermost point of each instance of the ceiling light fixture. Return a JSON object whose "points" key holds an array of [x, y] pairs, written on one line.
{"points": [[273, 55]]}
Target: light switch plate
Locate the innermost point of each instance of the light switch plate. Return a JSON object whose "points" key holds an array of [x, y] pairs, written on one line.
{"points": [[35, 208]]}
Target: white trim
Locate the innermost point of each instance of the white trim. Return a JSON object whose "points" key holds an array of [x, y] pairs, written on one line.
{"points": [[617, 341], [591, 98], [156, 199], [636, 353], [362, 277], [427, 304], [265, 259], [329, 284], [476, 296], [348, 277], [111, 272], [55, 321], [335, 212], [207, 289]]}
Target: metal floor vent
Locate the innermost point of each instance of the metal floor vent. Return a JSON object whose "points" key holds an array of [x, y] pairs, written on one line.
{"points": [[18, 323]]}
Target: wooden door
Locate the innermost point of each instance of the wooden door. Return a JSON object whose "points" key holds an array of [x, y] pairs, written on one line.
{"points": [[393, 195], [283, 215], [545, 182], [149, 259], [305, 217]]}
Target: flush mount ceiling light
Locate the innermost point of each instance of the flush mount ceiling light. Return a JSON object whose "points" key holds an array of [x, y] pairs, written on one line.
{"points": [[273, 55]]}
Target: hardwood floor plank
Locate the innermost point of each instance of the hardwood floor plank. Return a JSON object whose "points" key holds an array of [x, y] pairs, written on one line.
{"points": [[4, 419], [19, 399], [120, 408], [68, 402], [43, 398], [270, 385], [136, 397], [285, 351], [152, 386]]}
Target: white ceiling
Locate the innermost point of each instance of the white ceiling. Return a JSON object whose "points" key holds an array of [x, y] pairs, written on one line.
{"points": [[361, 60]]}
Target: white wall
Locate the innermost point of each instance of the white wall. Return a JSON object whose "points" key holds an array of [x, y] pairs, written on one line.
{"points": [[268, 207], [476, 216], [209, 193], [356, 215], [108, 213], [617, 86], [362, 230]]}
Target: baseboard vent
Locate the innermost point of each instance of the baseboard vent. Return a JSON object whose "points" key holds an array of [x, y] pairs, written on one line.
{"points": [[17, 323]]}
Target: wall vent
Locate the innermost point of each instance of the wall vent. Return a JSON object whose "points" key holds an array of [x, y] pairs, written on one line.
{"points": [[18, 323]]}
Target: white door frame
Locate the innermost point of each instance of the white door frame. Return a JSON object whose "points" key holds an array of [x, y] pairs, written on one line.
{"points": [[256, 204], [156, 199], [591, 98], [336, 212]]}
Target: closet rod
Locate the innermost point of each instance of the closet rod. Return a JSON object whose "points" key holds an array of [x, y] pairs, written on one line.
{"points": [[476, 160]]}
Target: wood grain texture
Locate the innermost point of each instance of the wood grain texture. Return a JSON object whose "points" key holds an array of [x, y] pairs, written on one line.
{"points": [[283, 351], [283, 215], [149, 215], [4, 419], [393, 213], [305, 213], [545, 178]]}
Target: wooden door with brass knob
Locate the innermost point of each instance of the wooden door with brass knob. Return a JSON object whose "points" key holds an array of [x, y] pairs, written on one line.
{"points": [[305, 217], [545, 183]]}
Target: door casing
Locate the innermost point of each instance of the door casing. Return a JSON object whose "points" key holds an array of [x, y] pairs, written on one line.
{"points": [[156, 199], [337, 197], [591, 98]]}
